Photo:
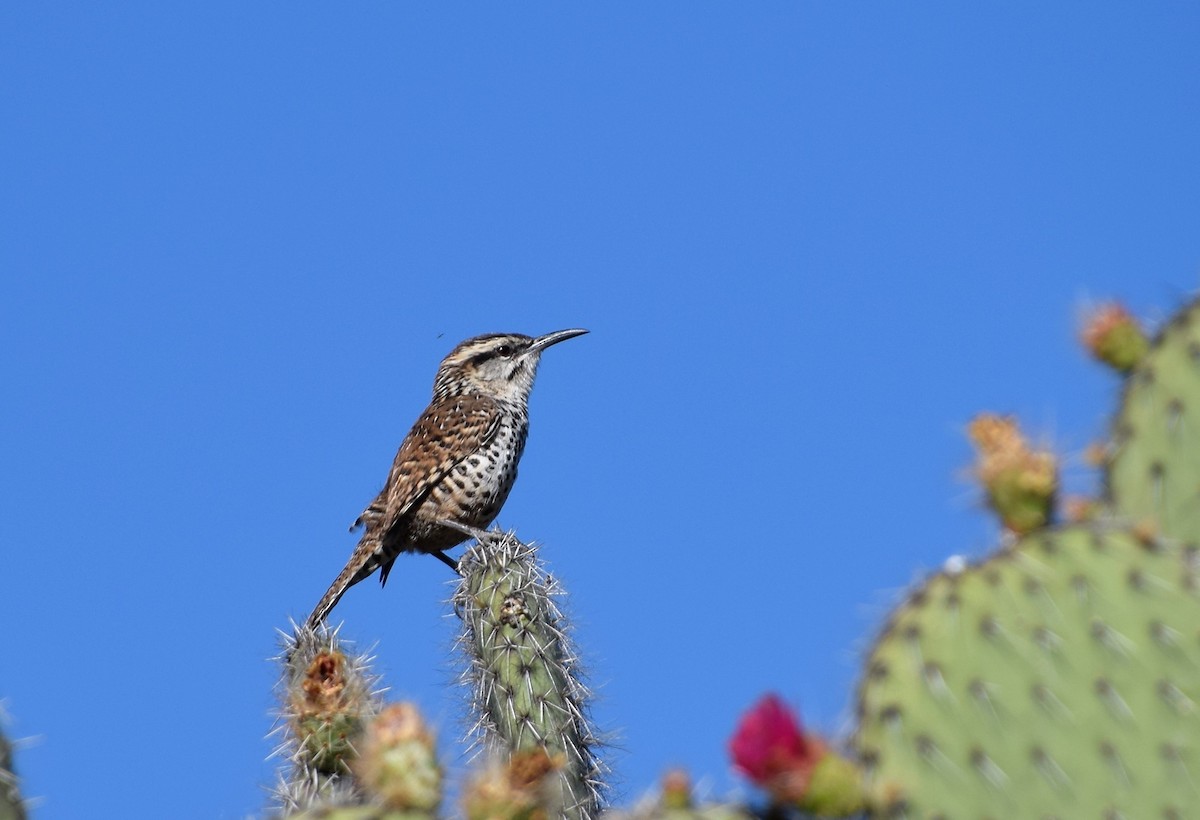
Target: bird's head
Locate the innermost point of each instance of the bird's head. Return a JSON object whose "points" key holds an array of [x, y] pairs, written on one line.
{"points": [[500, 365]]}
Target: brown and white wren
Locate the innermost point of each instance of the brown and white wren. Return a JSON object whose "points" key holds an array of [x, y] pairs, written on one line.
{"points": [[457, 463]]}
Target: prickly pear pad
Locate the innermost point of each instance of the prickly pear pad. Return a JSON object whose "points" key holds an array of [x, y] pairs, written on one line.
{"points": [[1058, 678], [1154, 472]]}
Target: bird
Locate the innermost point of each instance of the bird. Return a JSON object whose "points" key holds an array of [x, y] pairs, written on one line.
{"points": [[458, 462]]}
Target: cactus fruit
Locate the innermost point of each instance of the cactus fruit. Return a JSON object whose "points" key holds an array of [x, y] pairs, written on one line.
{"points": [[1154, 469], [522, 672], [796, 768], [1113, 336], [327, 698], [835, 788], [1021, 483], [1058, 678]]}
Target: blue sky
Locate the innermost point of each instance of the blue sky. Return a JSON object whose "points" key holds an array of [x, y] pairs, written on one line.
{"points": [[810, 241]]}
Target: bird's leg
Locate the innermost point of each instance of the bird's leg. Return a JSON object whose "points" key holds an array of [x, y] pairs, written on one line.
{"points": [[479, 535], [447, 560], [474, 532]]}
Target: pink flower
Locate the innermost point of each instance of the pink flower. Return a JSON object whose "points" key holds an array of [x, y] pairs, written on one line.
{"points": [[771, 749]]}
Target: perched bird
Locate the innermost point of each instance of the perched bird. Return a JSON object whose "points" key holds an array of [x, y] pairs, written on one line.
{"points": [[457, 463]]}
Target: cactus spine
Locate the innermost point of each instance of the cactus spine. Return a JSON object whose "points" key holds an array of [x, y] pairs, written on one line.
{"points": [[525, 691]]}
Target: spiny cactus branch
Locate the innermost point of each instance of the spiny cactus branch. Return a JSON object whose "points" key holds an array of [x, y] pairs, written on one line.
{"points": [[12, 807], [327, 696], [521, 669]]}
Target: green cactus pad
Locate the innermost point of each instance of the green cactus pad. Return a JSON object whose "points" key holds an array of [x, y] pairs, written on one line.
{"points": [[1154, 470], [1059, 678]]}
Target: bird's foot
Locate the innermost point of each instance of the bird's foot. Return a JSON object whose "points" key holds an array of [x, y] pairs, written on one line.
{"points": [[448, 561]]}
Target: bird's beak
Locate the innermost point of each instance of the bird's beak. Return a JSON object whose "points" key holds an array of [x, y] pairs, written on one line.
{"points": [[543, 342]]}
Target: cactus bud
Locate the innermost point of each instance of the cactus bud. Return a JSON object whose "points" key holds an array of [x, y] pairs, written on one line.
{"points": [[398, 760], [676, 789], [516, 791], [1113, 336], [326, 698], [1080, 508], [1020, 482], [323, 723]]}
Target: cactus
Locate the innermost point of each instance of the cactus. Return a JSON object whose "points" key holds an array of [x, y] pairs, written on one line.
{"points": [[676, 802], [354, 759], [327, 698], [521, 670], [358, 813], [1114, 337], [1021, 483], [11, 805], [1056, 678], [1154, 469], [795, 767], [706, 811], [525, 787], [1059, 677], [398, 761]]}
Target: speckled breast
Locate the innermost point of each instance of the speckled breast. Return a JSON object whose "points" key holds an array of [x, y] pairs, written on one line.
{"points": [[475, 490]]}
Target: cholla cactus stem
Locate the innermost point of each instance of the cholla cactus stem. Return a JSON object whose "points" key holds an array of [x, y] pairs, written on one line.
{"points": [[521, 669], [327, 694]]}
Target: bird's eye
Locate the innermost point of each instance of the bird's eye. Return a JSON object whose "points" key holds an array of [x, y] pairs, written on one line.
{"points": [[505, 350]]}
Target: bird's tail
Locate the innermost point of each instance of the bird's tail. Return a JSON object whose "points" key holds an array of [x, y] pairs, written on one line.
{"points": [[366, 558]]}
